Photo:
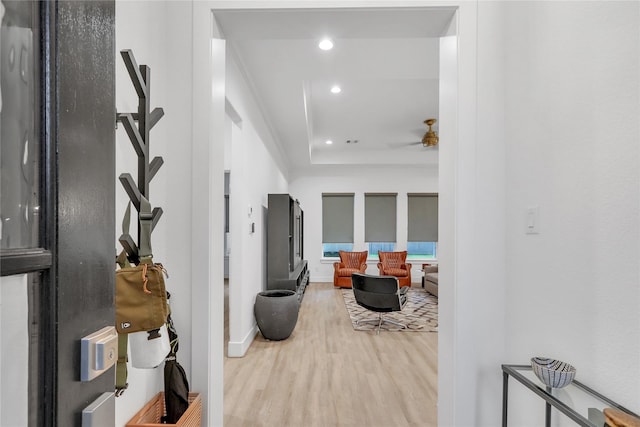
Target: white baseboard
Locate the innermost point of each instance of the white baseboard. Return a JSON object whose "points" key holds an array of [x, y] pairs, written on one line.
{"points": [[239, 349]]}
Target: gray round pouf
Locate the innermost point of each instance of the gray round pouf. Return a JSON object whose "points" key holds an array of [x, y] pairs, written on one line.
{"points": [[276, 312]]}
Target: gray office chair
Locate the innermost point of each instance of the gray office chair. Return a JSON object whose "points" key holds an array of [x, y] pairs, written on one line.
{"points": [[381, 294]]}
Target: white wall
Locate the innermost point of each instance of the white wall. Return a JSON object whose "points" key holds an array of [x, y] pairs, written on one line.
{"points": [[253, 178], [472, 242], [572, 126], [568, 142], [308, 189], [254, 174], [487, 284], [448, 110], [145, 28]]}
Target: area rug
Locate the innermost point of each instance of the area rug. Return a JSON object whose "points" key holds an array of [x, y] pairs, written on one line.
{"points": [[420, 314]]}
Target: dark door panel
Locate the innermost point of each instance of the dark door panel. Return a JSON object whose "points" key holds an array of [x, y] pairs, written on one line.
{"points": [[85, 95]]}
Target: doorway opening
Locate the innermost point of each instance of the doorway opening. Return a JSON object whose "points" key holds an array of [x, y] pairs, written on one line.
{"points": [[448, 128]]}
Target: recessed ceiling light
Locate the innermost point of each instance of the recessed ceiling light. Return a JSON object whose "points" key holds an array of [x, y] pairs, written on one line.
{"points": [[336, 89], [325, 44], [328, 142]]}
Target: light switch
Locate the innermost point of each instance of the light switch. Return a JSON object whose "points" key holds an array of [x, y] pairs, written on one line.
{"points": [[101, 412], [533, 220], [106, 352], [98, 352]]}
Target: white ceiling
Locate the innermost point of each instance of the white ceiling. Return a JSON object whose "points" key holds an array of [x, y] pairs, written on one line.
{"points": [[385, 61]]}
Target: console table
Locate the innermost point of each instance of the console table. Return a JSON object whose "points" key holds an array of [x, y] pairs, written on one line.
{"points": [[580, 403]]}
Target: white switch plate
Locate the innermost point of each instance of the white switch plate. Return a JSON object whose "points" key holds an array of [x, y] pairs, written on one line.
{"points": [[101, 412], [98, 352], [532, 225]]}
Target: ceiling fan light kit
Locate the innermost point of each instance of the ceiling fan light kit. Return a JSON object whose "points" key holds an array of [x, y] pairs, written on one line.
{"points": [[325, 44], [430, 138]]}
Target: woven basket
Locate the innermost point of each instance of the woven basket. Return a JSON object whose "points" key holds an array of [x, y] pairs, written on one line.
{"points": [[150, 414]]}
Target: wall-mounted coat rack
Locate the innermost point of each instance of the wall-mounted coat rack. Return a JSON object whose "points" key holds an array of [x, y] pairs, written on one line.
{"points": [[139, 136]]}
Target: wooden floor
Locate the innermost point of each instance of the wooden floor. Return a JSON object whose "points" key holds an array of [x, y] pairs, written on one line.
{"points": [[327, 374]]}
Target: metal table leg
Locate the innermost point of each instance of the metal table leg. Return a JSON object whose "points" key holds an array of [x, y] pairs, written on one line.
{"points": [[505, 391], [547, 414]]}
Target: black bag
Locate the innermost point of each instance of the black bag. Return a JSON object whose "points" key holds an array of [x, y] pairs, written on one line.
{"points": [[176, 385]]}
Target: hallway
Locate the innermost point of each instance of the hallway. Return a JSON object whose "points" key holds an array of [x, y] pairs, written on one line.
{"points": [[327, 374]]}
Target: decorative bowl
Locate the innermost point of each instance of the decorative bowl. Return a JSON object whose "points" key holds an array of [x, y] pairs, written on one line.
{"points": [[553, 373]]}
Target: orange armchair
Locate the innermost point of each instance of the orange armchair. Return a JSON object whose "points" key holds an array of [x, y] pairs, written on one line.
{"points": [[350, 262], [395, 264]]}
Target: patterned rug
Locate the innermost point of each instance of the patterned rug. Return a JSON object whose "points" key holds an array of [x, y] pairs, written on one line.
{"points": [[420, 314]]}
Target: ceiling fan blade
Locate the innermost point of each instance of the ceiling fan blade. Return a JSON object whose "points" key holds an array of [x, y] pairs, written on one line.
{"points": [[404, 144]]}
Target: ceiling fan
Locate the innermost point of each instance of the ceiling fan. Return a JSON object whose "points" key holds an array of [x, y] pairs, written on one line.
{"points": [[430, 138]]}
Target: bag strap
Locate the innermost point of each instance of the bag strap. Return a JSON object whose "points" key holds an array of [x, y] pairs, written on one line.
{"points": [[126, 220], [146, 221], [145, 254], [121, 365], [173, 335], [123, 339], [122, 259]]}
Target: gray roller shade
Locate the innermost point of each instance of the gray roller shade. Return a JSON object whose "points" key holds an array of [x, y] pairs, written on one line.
{"points": [[423, 217], [380, 217], [337, 218]]}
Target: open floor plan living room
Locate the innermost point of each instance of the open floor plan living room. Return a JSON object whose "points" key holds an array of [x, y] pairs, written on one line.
{"points": [[329, 374]]}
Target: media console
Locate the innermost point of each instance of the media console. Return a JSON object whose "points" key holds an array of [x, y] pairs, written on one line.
{"points": [[285, 267]]}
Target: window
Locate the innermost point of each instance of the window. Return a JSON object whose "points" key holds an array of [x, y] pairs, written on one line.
{"points": [[19, 84], [421, 250], [27, 209], [330, 250], [422, 233], [337, 223], [374, 247], [380, 222]]}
